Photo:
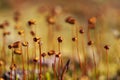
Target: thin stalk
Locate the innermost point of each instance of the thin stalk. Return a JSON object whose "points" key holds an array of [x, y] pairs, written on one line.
{"points": [[99, 45], [11, 75], [54, 66], [43, 67], [16, 78], [60, 63], [72, 56], [27, 61], [34, 65], [65, 68], [34, 68], [62, 77], [0, 70], [77, 47], [35, 49], [3, 50], [40, 67], [24, 74], [58, 67], [59, 58], [94, 63], [84, 54], [107, 64], [12, 62], [23, 63], [59, 47]]}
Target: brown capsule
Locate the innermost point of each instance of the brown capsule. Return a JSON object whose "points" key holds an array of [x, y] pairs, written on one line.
{"points": [[35, 59], [21, 32], [16, 16], [31, 22], [43, 54], [81, 31], [1, 26], [13, 67], [70, 20], [36, 39], [58, 55], [59, 39], [50, 20], [17, 26], [25, 44], [10, 46], [6, 23], [106, 47], [1, 62], [90, 43], [17, 13], [32, 33], [92, 20], [51, 52], [18, 52], [6, 33], [74, 39], [16, 44]]}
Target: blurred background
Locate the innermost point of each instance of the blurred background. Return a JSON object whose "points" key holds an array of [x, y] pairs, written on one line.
{"points": [[109, 10]]}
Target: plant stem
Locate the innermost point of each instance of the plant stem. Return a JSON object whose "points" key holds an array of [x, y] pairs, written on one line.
{"points": [[27, 62], [77, 46], [40, 67], [12, 62], [84, 54], [94, 63], [34, 56], [11, 75], [107, 64], [24, 74], [54, 67], [3, 50], [72, 56]]}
